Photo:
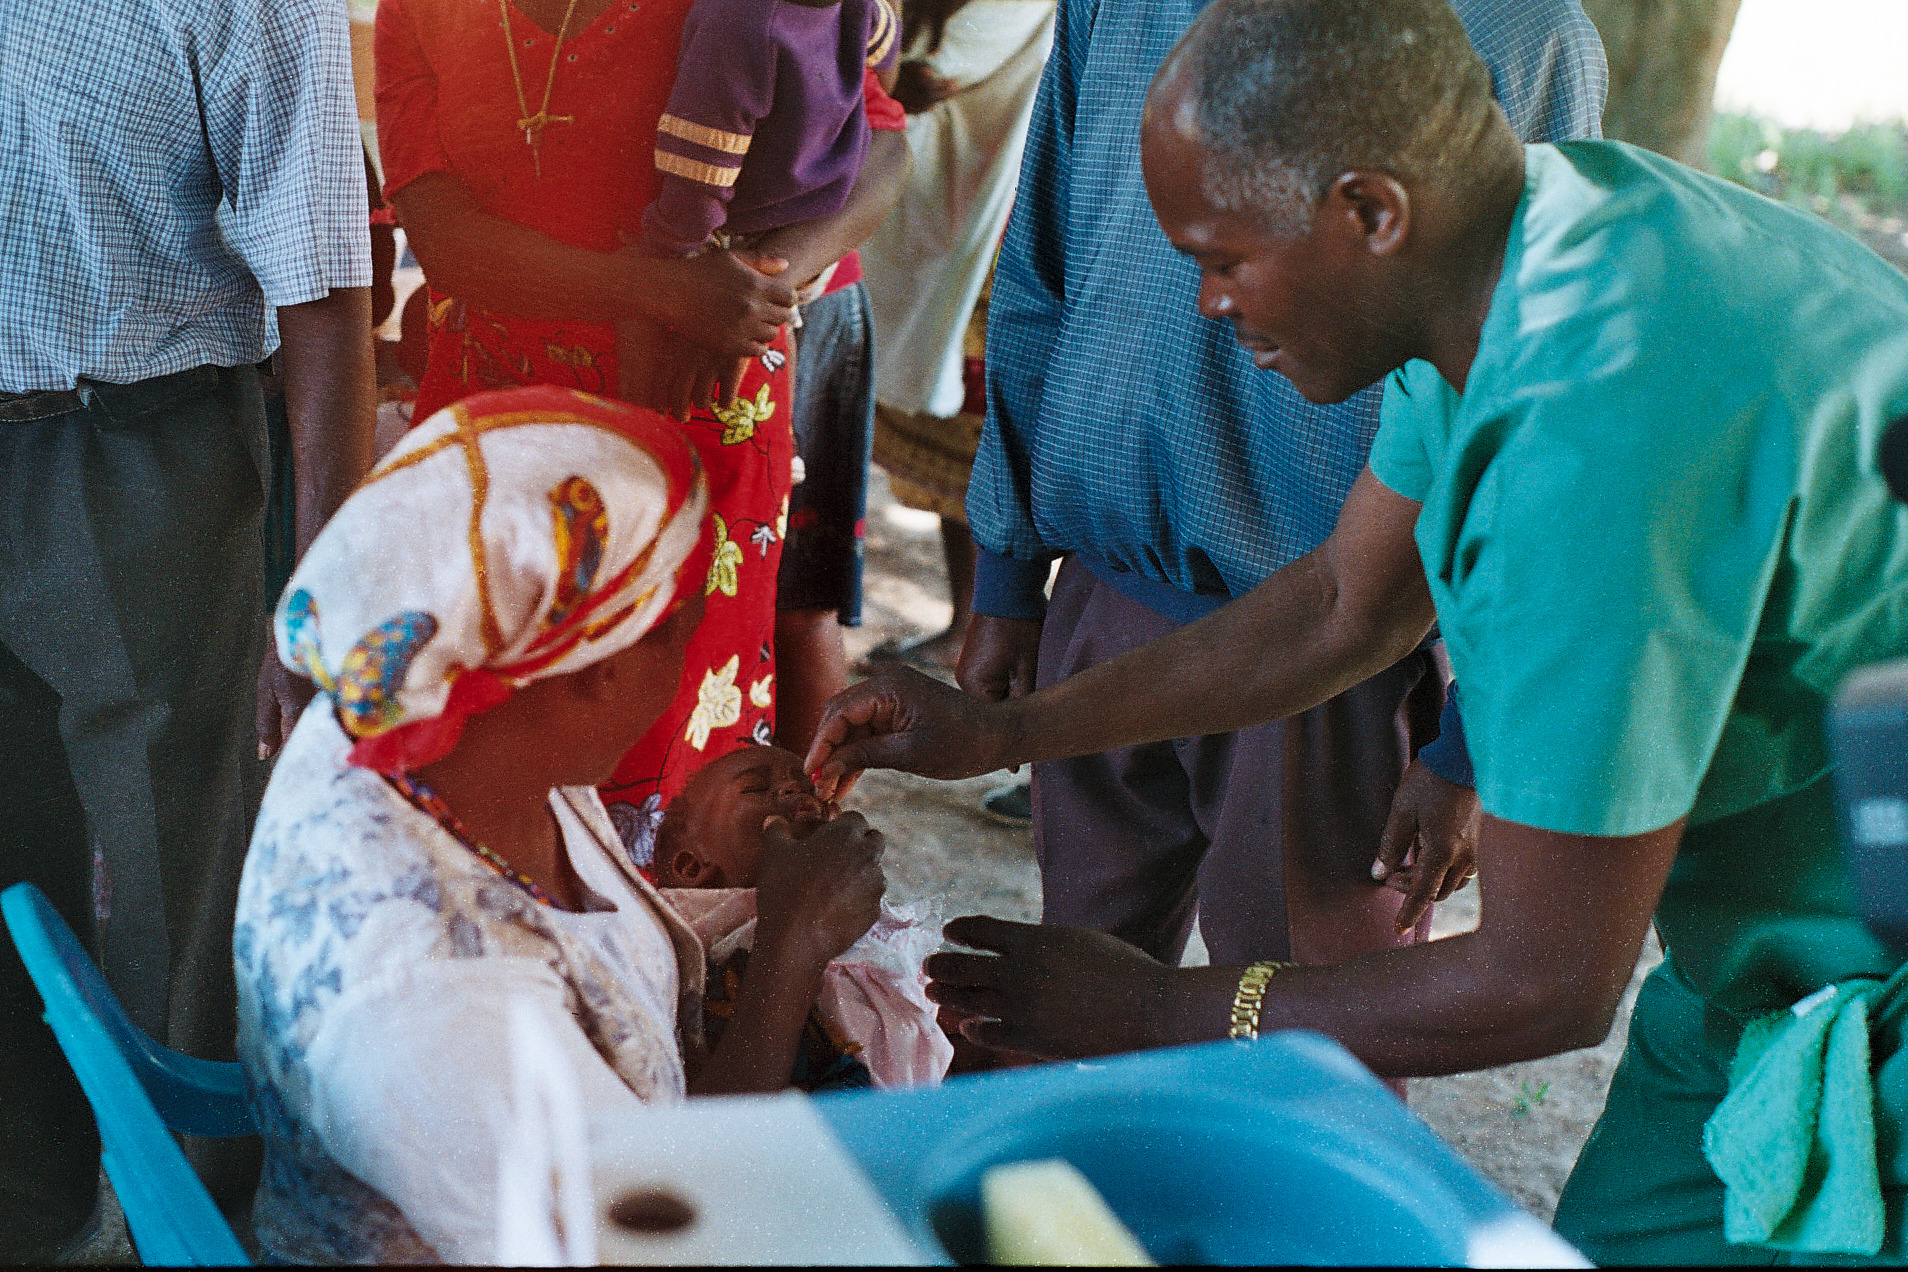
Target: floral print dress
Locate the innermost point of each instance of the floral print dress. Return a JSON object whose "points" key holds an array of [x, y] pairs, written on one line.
{"points": [[727, 695]]}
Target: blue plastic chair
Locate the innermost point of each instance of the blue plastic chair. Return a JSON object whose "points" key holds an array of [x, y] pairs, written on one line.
{"points": [[140, 1092]]}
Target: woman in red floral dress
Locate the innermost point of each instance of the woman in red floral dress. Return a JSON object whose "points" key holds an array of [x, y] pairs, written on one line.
{"points": [[517, 140]]}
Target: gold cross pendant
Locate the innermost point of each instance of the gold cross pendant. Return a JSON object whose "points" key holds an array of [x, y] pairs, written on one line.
{"points": [[533, 127]]}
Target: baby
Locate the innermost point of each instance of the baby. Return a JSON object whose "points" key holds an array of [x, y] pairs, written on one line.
{"points": [[765, 125], [873, 1020]]}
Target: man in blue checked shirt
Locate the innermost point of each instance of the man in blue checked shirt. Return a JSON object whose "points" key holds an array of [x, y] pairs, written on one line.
{"points": [[184, 193], [1134, 439]]}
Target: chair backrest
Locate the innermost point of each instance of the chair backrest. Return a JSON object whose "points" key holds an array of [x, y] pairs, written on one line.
{"points": [[139, 1090]]}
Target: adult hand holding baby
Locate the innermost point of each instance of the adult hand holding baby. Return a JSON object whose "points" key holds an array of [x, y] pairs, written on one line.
{"points": [[722, 301], [818, 895], [701, 318], [814, 898]]}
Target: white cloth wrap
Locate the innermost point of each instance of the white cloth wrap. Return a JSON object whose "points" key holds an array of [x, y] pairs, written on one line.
{"points": [[925, 266]]}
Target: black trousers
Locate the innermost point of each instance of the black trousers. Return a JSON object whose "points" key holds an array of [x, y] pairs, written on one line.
{"points": [[131, 629]]}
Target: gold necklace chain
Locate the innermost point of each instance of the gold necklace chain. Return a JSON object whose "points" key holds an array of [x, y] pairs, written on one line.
{"points": [[533, 125]]}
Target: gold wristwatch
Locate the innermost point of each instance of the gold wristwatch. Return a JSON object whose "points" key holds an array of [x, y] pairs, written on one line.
{"points": [[1245, 1004]]}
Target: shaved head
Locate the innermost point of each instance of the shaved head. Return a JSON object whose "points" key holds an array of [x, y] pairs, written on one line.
{"points": [[1284, 96]]}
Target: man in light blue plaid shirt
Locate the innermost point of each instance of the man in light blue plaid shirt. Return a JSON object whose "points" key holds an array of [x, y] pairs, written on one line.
{"points": [[183, 194], [1137, 438]]}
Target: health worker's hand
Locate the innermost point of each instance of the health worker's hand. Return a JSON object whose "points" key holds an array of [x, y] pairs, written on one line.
{"points": [[1054, 992], [1429, 847], [901, 719]]}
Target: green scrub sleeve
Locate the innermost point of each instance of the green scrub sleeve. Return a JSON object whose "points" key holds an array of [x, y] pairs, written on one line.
{"points": [[1398, 455], [1599, 584]]}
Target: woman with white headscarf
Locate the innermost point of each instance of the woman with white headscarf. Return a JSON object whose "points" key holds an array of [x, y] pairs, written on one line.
{"points": [[494, 618]]}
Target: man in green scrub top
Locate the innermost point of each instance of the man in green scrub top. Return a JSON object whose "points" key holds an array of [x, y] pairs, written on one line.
{"points": [[1629, 456]]}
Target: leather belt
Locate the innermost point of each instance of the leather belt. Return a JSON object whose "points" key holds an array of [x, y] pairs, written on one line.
{"points": [[17, 408]]}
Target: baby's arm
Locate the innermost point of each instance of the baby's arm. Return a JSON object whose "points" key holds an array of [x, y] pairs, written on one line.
{"points": [[725, 84]]}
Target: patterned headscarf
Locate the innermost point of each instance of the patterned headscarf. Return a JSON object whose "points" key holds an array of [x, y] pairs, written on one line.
{"points": [[515, 535]]}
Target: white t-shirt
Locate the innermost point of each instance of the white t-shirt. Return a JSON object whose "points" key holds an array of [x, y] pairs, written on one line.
{"points": [[377, 962]]}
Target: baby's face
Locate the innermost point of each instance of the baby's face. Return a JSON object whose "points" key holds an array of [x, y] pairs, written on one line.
{"points": [[727, 801]]}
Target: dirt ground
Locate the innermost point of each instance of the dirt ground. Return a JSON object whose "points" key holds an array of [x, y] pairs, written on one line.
{"points": [[1522, 1125]]}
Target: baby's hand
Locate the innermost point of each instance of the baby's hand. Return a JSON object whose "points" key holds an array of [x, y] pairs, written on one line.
{"points": [[818, 899]]}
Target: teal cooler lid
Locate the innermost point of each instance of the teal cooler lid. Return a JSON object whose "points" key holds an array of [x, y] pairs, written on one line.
{"points": [[1283, 1150]]}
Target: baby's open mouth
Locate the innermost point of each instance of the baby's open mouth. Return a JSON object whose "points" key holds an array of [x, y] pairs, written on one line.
{"points": [[806, 812]]}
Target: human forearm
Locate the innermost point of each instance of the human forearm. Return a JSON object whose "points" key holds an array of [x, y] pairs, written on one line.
{"points": [[757, 1050], [813, 246], [712, 299], [1280, 649], [327, 360], [1315, 628], [1449, 1007], [498, 264], [1322, 624], [1564, 918]]}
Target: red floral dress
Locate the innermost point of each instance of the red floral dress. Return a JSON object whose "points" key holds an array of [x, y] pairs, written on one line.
{"points": [[447, 102]]}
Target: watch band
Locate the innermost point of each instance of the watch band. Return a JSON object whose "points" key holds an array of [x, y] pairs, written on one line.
{"points": [[1245, 1003]]}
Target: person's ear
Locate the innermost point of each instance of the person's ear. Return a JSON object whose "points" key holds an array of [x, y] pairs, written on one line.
{"points": [[694, 872], [686, 866], [1373, 207]]}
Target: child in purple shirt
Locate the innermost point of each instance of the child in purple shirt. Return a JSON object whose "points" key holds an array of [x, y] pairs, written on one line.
{"points": [[765, 126]]}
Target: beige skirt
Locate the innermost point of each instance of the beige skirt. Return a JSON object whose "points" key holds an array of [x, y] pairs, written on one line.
{"points": [[928, 458]]}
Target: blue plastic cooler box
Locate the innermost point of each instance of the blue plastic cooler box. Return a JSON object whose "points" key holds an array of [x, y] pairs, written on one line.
{"points": [[1284, 1150]]}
